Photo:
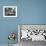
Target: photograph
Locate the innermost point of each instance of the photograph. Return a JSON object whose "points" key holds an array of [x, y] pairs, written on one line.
{"points": [[30, 33], [9, 11]]}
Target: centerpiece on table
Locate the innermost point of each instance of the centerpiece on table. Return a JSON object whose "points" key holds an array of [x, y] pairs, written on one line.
{"points": [[11, 37]]}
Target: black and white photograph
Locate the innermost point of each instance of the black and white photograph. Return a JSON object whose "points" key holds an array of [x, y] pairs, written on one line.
{"points": [[29, 34], [9, 11]]}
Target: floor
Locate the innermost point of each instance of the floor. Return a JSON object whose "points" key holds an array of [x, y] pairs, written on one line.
{"points": [[30, 43], [7, 45]]}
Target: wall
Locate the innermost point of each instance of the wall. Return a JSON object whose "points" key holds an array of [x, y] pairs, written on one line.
{"points": [[33, 11], [29, 12], [7, 25]]}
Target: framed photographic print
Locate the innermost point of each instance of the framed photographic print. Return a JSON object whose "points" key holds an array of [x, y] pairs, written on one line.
{"points": [[33, 32], [9, 11]]}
